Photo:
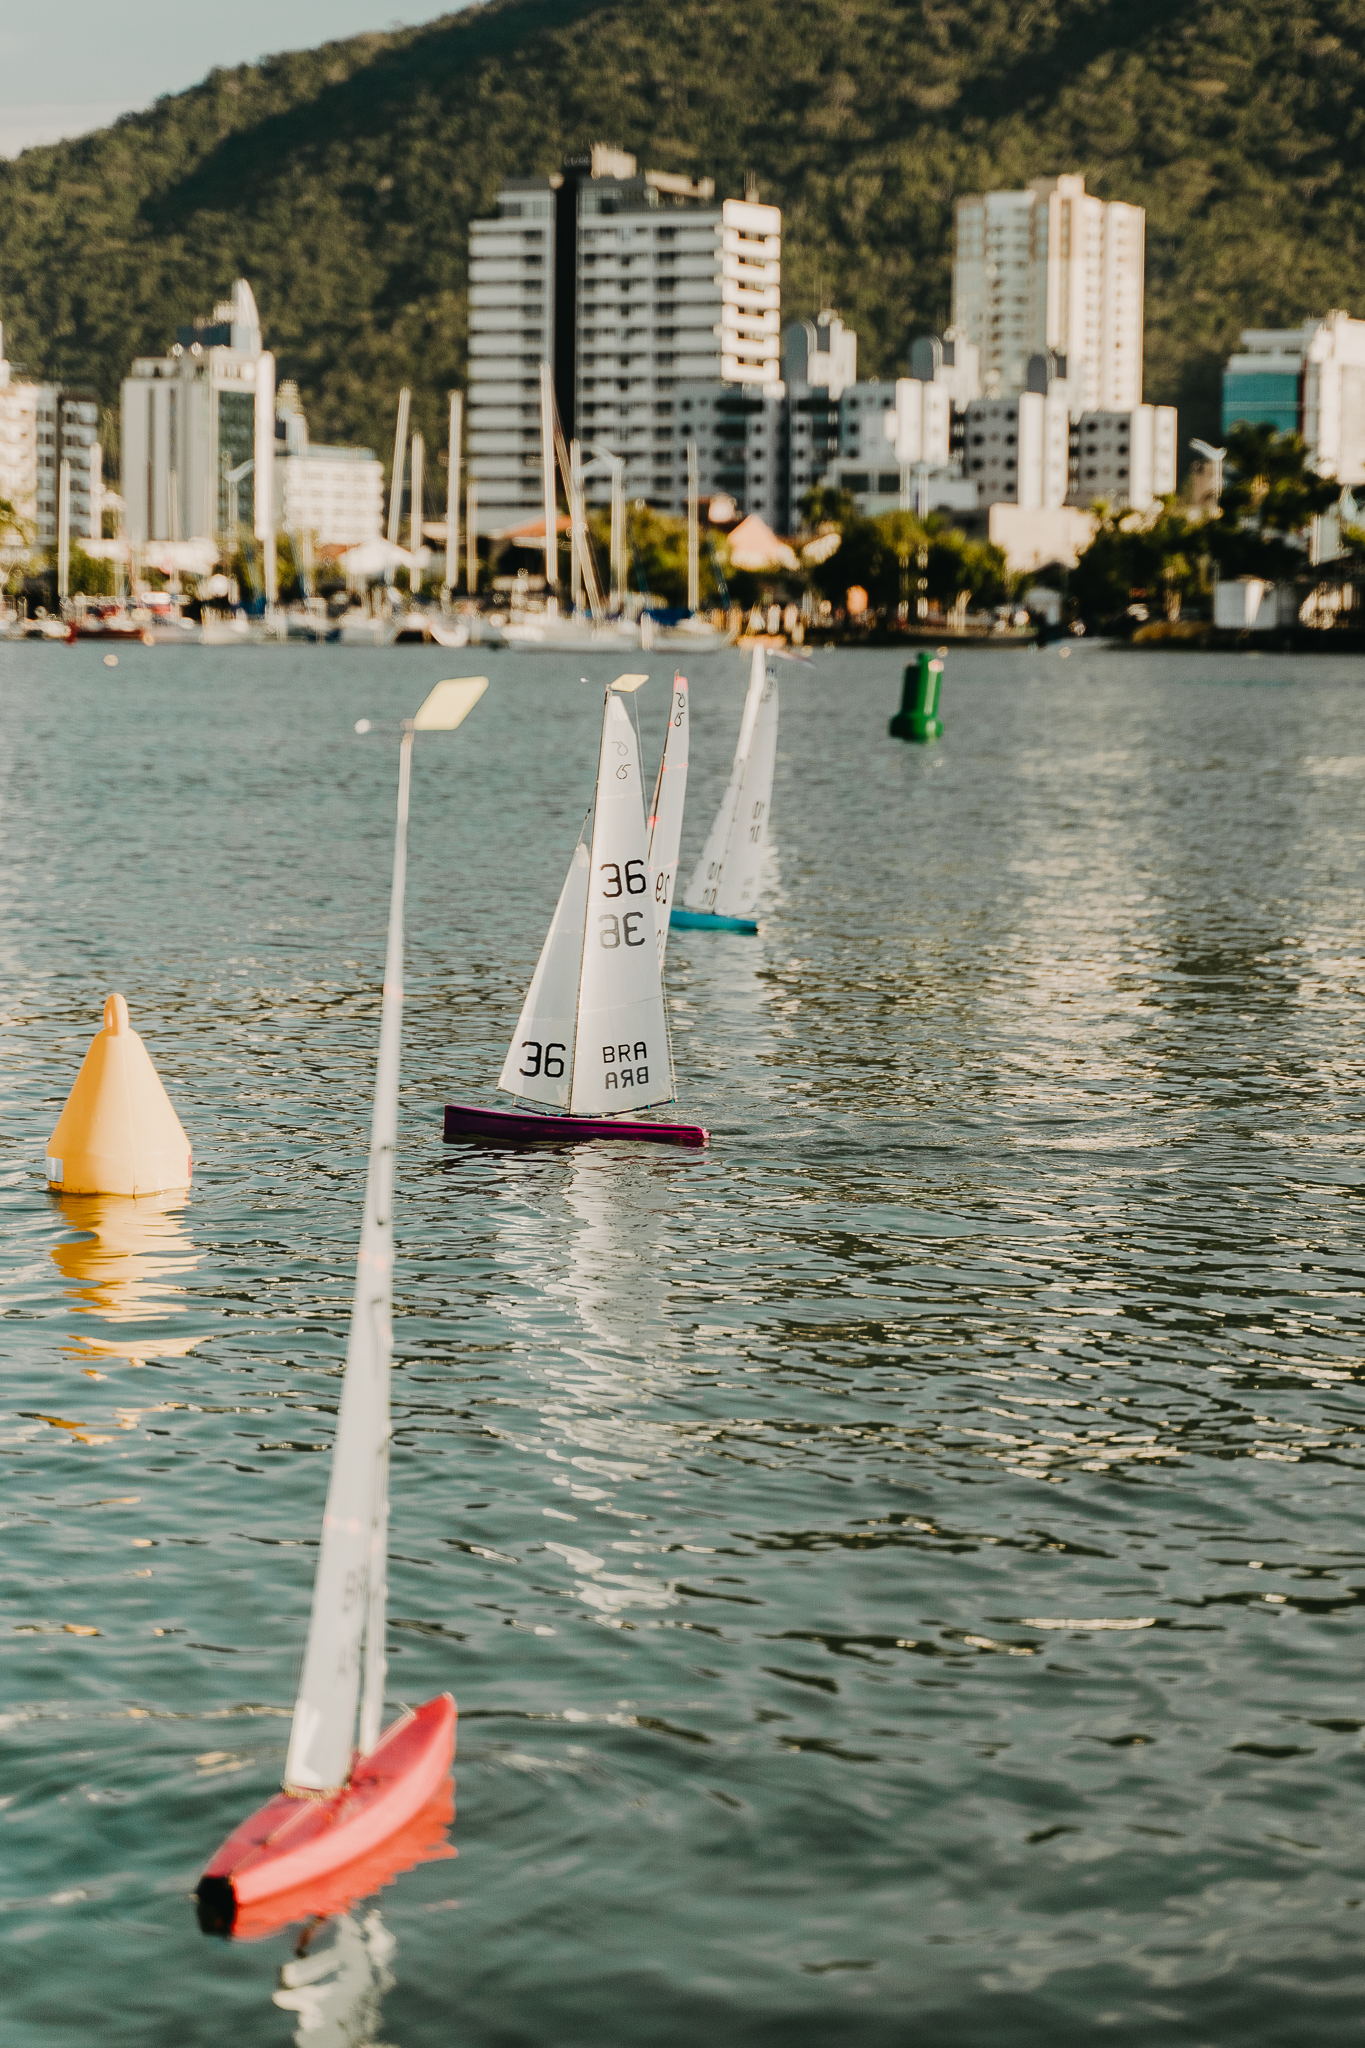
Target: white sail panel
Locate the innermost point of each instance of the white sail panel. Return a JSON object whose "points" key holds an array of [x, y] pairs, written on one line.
{"points": [[708, 873], [742, 871], [539, 1060], [621, 1057], [666, 815], [348, 1591]]}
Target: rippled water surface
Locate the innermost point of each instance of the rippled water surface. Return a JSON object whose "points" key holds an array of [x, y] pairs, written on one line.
{"points": [[900, 1569]]}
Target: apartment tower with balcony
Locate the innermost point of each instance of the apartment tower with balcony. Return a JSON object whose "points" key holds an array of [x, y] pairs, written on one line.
{"points": [[1053, 268], [656, 307]]}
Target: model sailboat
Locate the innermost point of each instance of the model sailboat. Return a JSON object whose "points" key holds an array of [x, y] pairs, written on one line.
{"points": [[591, 1048], [350, 1801], [666, 813], [723, 891]]}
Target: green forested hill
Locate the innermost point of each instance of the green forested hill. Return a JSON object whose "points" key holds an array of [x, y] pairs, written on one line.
{"points": [[340, 180]]}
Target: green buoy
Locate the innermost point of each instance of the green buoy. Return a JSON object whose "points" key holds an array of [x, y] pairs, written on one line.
{"points": [[918, 717]]}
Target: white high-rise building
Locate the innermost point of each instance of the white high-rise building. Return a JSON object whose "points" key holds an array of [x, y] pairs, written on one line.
{"points": [[633, 286], [511, 333], [68, 428], [332, 496], [819, 364], [1053, 268], [18, 444], [199, 431], [40, 424]]}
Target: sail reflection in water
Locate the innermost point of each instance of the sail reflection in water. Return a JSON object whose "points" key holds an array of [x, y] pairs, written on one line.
{"points": [[336, 1990], [127, 1255], [616, 1272]]}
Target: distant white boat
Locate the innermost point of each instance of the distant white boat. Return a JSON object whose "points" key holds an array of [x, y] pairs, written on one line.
{"points": [[419, 629], [546, 634], [237, 631], [723, 892], [690, 636], [666, 813], [365, 632], [38, 629]]}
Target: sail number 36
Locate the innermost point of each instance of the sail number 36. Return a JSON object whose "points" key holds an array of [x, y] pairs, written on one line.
{"points": [[636, 881], [545, 1059], [628, 929], [612, 930]]}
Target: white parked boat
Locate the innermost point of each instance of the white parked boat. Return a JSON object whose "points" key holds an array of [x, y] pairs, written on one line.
{"points": [[544, 633], [690, 636], [421, 629], [38, 629], [365, 631], [237, 631]]}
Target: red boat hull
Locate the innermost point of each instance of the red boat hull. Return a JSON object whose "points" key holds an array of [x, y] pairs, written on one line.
{"points": [[300, 1856], [517, 1127]]}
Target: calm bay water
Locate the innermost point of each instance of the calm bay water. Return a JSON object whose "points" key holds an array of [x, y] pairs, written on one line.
{"points": [[900, 1570]]}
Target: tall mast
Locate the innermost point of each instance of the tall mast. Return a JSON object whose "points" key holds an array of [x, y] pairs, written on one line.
{"points": [[349, 1592], [471, 532], [575, 537], [618, 535], [693, 563], [547, 470], [419, 449], [453, 490], [64, 529], [400, 450], [344, 1663]]}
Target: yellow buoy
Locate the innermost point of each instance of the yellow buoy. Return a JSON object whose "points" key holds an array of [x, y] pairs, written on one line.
{"points": [[118, 1134]]}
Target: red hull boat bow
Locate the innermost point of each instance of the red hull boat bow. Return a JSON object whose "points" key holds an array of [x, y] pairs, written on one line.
{"points": [[517, 1127], [300, 1855]]}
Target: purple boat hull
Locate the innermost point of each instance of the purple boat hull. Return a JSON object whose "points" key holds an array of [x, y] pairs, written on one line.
{"points": [[517, 1127]]}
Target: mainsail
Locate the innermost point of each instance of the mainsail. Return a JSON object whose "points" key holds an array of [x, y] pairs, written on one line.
{"points": [[726, 879], [540, 1058], [666, 813], [621, 1054], [349, 1590]]}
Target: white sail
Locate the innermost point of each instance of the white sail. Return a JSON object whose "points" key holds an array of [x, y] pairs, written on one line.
{"points": [[539, 1060], [666, 813], [742, 873], [707, 876], [621, 1057], [348, 1592]]}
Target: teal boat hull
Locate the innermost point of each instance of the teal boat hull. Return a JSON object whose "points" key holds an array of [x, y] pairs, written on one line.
{"points": [[707, 921]]}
